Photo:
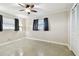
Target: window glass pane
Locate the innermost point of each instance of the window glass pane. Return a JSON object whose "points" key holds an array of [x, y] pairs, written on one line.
{"points": [[41, 24], [8, 23]]}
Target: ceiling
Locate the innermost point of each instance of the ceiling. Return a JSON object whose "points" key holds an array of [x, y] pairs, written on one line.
{"points": [[42, 8]]}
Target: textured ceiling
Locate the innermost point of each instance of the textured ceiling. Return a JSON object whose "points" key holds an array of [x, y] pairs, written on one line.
{"points": [[42, 8]]}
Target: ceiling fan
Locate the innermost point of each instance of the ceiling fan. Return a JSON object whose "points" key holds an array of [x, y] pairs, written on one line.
{"points": [[28, 8]]}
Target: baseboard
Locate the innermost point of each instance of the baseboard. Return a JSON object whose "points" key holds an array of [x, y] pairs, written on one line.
{"points": [[9, 42], [47, 41], [31, 38], [76, 53]]}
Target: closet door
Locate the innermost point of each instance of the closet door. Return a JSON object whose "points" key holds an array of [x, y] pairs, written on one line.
{"points": [[75, 30]]}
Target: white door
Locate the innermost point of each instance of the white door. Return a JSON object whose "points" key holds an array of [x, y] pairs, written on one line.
{"points": [[75, 30]]}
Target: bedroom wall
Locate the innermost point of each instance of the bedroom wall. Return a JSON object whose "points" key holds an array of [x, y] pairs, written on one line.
{"points": [[11, 35], [58, 28]]}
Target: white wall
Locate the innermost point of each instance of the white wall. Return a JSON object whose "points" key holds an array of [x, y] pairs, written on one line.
{"points": [[11, 35], [58, 28]]}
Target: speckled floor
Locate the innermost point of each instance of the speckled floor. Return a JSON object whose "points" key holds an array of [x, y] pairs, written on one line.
{"points": [[36, 48], [47, 49]]}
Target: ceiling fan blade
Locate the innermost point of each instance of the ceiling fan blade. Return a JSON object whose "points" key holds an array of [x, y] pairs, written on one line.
{"points": [[32, 6], [33, 10], [21, 10], [21, 5]]}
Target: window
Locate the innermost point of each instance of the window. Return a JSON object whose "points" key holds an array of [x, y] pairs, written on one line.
{"points": [[40, 24], [8, 24]]}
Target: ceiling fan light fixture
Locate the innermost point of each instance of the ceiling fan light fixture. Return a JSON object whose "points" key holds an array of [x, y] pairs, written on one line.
{"points": [[27, 10]]}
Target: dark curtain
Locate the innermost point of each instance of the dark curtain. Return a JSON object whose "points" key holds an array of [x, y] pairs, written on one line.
{"points": [[35, 25], [1, 23], [16, 25], [46, 28]]}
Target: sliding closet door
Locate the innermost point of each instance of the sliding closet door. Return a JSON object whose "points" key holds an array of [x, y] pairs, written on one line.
{"points": [[74, 18], [75, 30]]}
